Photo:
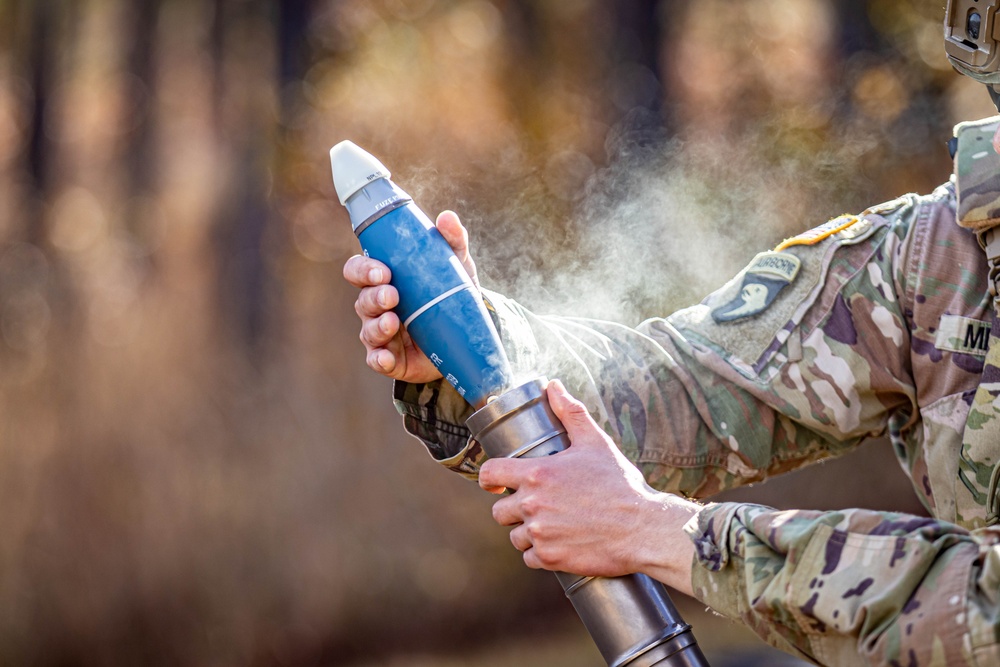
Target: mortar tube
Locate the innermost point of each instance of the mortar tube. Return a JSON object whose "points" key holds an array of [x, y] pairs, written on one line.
{"points": [[631, 619]]}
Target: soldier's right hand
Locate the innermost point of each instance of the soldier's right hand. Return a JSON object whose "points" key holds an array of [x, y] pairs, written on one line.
{"points": [[390, 350]]}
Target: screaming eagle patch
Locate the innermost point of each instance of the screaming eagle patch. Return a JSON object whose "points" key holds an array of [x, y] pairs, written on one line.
{"points": [[764, 278]]}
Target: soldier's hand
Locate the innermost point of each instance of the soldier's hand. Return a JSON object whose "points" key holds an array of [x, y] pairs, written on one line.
{"points": [[588, 510], [390, 350]]}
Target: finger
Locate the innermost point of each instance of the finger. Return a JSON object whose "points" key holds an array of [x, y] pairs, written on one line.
{"points": [[507, 511], [373, 301], [454, 233], [363, 271], [532, 560], [501, 472], [520, 538], [996, 140], [570, 411], [379, 331], [389, 358], [381, 361]]}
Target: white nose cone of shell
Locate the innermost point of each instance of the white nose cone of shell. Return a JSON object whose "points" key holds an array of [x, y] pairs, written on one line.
{"points": [[353, 168]]}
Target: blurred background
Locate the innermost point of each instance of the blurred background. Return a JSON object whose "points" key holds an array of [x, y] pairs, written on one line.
{"points": [[197, 467]]}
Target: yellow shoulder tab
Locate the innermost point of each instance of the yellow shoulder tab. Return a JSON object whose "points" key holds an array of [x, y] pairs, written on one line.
{"points": [[817, 234]]}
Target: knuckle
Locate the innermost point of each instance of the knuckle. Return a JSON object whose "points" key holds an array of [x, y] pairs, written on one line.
{"points": [[529, 508], [383, 328], [368, 336], [575, 409], [547, 556], [540, 476], [369, 333], [543, 533], [353, 268], [365, 302], [531, 530]]}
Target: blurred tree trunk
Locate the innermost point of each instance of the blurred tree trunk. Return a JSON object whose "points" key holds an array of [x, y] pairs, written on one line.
{"points": [[669, 16], [921, 128], [244, 128], [293, 53], [141, 157], [640, 45], [43, 50], [632, 55], [38, 62], [526, 66], [855, 32], [245, 220]]}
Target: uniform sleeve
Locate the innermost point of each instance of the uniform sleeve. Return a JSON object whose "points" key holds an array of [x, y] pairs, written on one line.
{"points": [[701, 403], [853, 587]]}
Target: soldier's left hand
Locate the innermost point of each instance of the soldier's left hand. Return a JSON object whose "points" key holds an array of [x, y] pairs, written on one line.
{"points": [[588, 510]]}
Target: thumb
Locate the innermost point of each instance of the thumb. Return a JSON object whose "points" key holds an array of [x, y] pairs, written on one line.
{"points": [[570, 412], [454, 233], [457, 236]]}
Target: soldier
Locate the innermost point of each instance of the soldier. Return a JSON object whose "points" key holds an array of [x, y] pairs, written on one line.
{"points": [[878, 323]]}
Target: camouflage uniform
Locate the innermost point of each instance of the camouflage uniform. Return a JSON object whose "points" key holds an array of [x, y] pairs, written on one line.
{"points": [[863, 326]]}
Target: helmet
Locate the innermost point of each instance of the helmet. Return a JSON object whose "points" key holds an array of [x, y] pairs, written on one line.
{"points": [[971, 33]]}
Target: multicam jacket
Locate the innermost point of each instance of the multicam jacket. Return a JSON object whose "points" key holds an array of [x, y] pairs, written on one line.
{"points": [[863, 326]]}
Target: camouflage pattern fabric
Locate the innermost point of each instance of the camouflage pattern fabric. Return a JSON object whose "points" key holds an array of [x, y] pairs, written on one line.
{"points": [[881, 331], [854, 587], [977, 172], [981, 439]]}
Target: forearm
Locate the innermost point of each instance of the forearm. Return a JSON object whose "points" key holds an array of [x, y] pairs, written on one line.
{"points": [[435, 414], [852, 587]]}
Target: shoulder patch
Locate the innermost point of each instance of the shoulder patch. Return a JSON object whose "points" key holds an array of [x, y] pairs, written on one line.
{"points": [[963, 334], [765, 277], [817, 234]]}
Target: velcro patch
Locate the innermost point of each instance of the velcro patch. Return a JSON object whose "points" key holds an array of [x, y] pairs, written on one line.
{"points": [[817, 234], [963, 334], [977, 165], [765, 277]]}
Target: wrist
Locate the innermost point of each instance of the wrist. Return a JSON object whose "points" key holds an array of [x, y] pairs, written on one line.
{"points": [[663, 550]]}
